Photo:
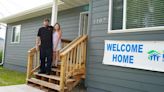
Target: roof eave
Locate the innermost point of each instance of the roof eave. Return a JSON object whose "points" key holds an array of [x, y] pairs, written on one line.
{"points": [[37, 11], [42, 10]]}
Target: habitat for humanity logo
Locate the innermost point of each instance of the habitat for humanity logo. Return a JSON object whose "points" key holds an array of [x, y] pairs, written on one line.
{"points": [[155, 55]]}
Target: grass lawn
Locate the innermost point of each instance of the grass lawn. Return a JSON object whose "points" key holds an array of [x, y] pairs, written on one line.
{"points": [[10, 77]]}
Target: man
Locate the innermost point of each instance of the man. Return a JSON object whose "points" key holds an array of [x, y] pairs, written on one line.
{"points": [[44, 43]]}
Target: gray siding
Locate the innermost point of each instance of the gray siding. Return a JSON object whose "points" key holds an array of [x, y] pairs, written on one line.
{"points": [[16, 54], [106, 78], [69, 20]]}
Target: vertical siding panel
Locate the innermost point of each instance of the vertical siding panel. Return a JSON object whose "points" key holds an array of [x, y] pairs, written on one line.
{"points": [[106, 78]]}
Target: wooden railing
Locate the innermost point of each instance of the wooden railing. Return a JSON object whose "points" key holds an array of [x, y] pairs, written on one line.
{"points": [[73, 59], [34, 61]]}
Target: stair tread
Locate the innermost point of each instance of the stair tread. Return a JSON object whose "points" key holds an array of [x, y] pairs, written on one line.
{"points": [[55, 70], [48, 76], [44, 83], [53, 77], [83, 77]]}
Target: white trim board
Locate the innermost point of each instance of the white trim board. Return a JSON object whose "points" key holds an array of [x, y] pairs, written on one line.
{"points": [[124, 30], [12, 35], [80, 18]]}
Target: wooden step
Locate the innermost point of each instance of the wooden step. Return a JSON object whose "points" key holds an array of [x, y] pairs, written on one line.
{"points": [[59, 63], [44, 83], [55, 70], [53, 77], [48, 76], [83, 77]]}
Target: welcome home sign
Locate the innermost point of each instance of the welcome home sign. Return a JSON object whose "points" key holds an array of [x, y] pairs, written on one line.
{"points": [[147, 55]]}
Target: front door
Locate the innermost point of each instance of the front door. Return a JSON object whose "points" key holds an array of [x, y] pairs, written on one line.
{"points": [[83, 23]]}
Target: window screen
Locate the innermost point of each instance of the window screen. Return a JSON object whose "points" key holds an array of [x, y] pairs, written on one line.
{"points": [[145, 13], [117, 14]]}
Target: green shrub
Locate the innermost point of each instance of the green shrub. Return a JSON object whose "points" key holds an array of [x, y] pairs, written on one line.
{"points": [[1, 55]]}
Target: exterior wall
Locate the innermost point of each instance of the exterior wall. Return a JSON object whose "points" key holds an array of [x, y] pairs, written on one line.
{"points": [[16, 54], [106, 78]]}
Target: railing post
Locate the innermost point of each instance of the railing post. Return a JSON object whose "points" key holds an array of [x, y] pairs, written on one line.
{"points": [[29, 65], [62, 75], [85, 55]]}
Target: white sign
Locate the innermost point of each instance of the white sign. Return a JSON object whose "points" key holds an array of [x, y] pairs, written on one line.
{"points": [[147, 55]]}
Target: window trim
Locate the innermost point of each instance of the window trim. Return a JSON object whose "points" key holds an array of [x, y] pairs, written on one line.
{"points": [[124, 30], [12, 34]]}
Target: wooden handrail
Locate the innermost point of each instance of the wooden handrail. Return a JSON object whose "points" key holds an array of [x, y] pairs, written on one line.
{"points": [[32, 53], [32, 50], [72, 42], [73, 45]]}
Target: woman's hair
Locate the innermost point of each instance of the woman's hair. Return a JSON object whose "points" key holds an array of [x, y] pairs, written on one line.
{"points": [[58, 25]]}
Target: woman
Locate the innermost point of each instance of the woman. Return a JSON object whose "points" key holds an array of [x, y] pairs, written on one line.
{"points": [[57, 33]]}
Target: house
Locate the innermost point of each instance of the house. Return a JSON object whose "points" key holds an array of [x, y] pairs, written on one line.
{"points": [[119, 20], [1, 44]]}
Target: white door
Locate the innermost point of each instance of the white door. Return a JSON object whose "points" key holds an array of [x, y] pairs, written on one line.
{"points": [[83, 23]]}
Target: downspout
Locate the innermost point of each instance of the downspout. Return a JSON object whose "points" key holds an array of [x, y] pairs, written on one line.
{"points": [[4, 48], [54, 12]]}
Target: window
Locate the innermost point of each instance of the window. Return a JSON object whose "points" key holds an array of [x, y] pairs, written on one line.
{"points": [[16, 34], [135, 15]]}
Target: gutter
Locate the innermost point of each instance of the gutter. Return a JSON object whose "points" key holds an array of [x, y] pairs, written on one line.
{"points": [[4, 48]]}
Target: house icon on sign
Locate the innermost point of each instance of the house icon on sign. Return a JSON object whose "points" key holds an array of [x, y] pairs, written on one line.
{"points": [[154, 55]]}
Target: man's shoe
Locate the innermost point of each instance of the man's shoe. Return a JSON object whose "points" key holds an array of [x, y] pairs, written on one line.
{"points": [[47, 73], [54, 66], [41, 72]]}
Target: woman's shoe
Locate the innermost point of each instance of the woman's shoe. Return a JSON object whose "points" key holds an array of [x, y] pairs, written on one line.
{"points": [[54, 66], [48, 73], [41, 72]]}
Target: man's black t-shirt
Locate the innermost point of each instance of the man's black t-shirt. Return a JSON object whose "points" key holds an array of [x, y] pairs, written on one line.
{"points": [[45, 34]]}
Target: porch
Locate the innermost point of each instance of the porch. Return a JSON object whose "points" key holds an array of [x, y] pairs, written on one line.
{"points": [[70, 70]]}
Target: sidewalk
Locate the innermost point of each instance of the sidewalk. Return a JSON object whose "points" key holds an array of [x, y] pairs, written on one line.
{"points": [[19, 88], [26, 88]]}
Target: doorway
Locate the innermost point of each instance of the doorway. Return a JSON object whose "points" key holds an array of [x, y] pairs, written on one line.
{"points": [[83, 23]]}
